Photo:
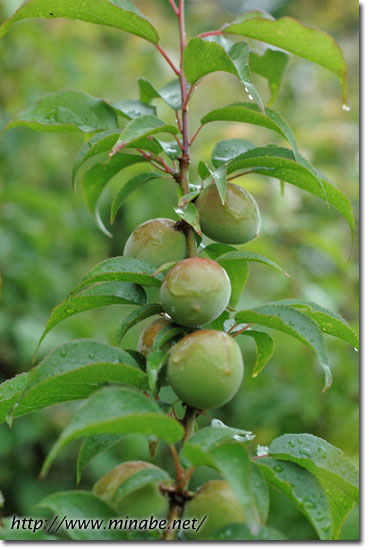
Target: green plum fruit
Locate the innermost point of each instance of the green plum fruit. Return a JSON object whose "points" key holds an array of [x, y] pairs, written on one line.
{"points": [[237, 221], [195, 291], [142, 503], [205, 368], [148, 335], [157, 242], [216, 500]]}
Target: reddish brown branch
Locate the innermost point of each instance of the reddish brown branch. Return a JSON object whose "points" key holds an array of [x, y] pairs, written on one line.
{"points": [[167, 58]]}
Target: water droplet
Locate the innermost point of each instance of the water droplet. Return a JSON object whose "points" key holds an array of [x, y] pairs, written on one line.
{"points": [[355, 349], [299, 440], [250, 96], [305, 452], [291, 443], [91, 355], [309, 503], [346, 107], [278, 468], [322, 452], [70, 310], [63, 353]]}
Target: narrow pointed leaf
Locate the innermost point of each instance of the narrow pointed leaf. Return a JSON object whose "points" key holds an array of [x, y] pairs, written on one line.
{"points": [[130, 186], [203, 170], [215, 250], [265, 348], [99, 295], [220, 180], [117, 411], [202, 57], [141, 127], [303, 489], [240, 531], [293, 322], [155, 362], [190, 215], [120, 14], [228, 149], [10, 391], [250, 257], [291, 35], [271, 65], [91, 447], [67, 110], [133, 108], [138, 315], [250, 113]]}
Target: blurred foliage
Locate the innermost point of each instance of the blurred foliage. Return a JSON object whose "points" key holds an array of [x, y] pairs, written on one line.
{"points": [[48, 240]]}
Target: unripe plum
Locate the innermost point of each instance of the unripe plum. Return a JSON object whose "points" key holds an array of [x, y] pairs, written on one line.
{"points": [[217, 501], [148, 335], [142, 503], [195, 291], [157, 242], [237, 221], [205, 368]]}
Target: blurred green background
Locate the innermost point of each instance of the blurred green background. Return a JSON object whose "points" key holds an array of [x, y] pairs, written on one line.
{"points": [[48, 240]]}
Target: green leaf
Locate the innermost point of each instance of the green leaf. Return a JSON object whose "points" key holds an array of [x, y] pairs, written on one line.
{"points": [[10, 390], [265, 348], [130, 186], [336, 474], [139, 480], [66, 110], [133, 108], [202, 170], [190, 215], [140, 127], [278, 162], [293, 322], [120, 14], [99, 295], [329, 322], [9, 533], [271, 65], [74, 370], [121, 269], [98, 176], [202, 57], [170, 148], [214, 250], [250, 257], [220, 179], [135, 317], [291, 35], [99, 143], [228, 149], [91, 447], [303, 489], [187, 198], [171, 93], [249, 113], [155, 362], [83, 505], [117, 411], [240, 531]]}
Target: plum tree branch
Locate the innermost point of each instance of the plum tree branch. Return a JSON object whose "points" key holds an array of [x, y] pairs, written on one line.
{"points": [[167, 58]]}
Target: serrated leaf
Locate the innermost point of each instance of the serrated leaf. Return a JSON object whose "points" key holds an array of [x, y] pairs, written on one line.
{"points": [[74, 370], [137, 481], [265, 348], [83, 505], [303, 489], [130, 186], [133, 108], [117, 411], [220, 179], [91, 447], [336, 474], [228, 149], [271, 65], [66, 110], [10, 390], [293, 322], [329, 322], [99, 295], [240, 531], [171, 93], [202, 57], [250, 113], [190, 215], [120, 14], [141, 127], [291, 35], [279, 162], [135, 317], [98, 176], [121, 268]]}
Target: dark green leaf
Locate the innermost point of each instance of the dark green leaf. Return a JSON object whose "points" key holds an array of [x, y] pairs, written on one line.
{"points": [[187, 198], [271, 64], [303, 489], [141, 127], [135, 317], [67, 110], [215, 250], [117, 411], [120, 14], [190, 215], [10, 391], [265, 348], [228, 149], [293, 322], [139, 480], [249, 113], [133, 108], [170, 148], [9, 533], [91, 447], [220, 179], [203, 170], [99, 295], [130, 186], [170, 93], [291, 35], [155, 362], [240, 531]]}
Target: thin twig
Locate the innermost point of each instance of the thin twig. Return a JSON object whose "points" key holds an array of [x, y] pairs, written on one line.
{"points": [[196, 134], [179, 470], [186, 478], [241, 174], [179, 143], [189, 93], [210, 33], [179, 122], [175, 9], [234, 334], [167, 58]]}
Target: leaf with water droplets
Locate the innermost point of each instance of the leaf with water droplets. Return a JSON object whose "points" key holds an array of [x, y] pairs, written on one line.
{"points": [[336, 473], [139, 128], [171, 93], [228, 149], [133, 108], [120, 14], [117, 411], [91, 447], [10, 391], [303, 489], [293, 322], [264, 346], [190, 215], [96, 296], [271, 65]]}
